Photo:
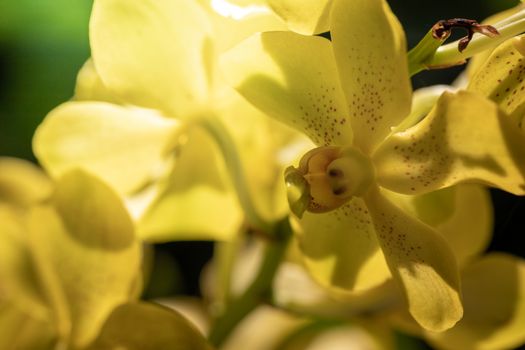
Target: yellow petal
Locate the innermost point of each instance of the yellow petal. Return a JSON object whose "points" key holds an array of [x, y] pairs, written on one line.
{"points": [[462, 214], [340, 248], [89, 86], [86, 254], [304, 16], [422, 263], [22, 183], [501, 78], [251, 334], [464, 138], [235, 20], [154, 53], [19, 283], [370, 50], [18, 330], [266, 147], [124, 146], [294, 79], [494, 301], [197, 201], [148, 326]]}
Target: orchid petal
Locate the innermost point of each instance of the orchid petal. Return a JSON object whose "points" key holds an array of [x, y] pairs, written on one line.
{"points": [[294, 79], [266, 147], [501, 78], [370, 49], [124, 146], [18, 279], [304, 17], [22, 183], [86, 254], [462, 214], [465, 137], [494, 301], [19, 330], [148, 326], [197, 201], [234, 20], [89, 86], [340, 249], [154, 53], [422, 263]]}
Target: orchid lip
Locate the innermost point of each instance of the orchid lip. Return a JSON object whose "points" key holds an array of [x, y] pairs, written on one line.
{"points": [[327, 178]]}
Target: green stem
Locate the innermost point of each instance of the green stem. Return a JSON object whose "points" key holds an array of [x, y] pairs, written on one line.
{"points": [[448, 54], [429, 54], [234, 165], [259, 291]]}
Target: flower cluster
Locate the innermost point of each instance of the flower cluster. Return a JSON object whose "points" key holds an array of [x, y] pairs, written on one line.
{"points": [[345, 206]]}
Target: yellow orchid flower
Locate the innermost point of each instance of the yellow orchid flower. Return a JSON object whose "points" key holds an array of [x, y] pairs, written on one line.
{"points": [[346, 95], [144, 110], [69, 256]]}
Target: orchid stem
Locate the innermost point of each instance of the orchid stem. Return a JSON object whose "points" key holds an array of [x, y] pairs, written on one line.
{"points": [[259, 291], [429, 53], [233, 163]]}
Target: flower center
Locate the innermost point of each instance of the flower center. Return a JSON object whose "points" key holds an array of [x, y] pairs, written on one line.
{"points": [[327, 177]]}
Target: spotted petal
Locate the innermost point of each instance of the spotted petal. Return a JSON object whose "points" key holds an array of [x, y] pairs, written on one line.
{"points": [[464, 138], [494, 301], [501, 78], [154, 53], [86, 254], [124, 146], [370, 50], [422, 263], [294, 79], [340, 249], [461, 213]]}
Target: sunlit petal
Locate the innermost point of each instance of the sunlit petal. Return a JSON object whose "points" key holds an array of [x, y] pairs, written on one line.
{"points": [[86, 254], [198, 201], [304, 16], [124, 146], [341, 250], [235, 20], [293, 79], [89, 86], [266, 147], [154, 53], [465, 138], [494, 301], [370, 49], [422, 263]]}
